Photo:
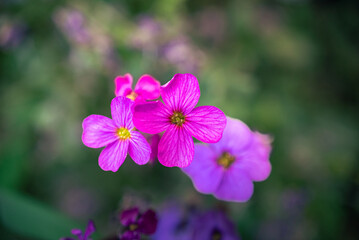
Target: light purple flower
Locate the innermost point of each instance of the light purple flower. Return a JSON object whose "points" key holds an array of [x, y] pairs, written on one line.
{"points": [[73, 25], [78, 233], [147, 88], [117, 134], [180, 120], [214, 225], [175, 223], [182, 54], [11, 34], [226, 169], [147, 35]]}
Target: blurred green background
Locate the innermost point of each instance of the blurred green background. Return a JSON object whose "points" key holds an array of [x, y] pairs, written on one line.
{"points": [[289, 68]]}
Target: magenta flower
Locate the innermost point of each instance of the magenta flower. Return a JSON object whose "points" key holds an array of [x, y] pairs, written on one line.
{"points": [[137, 224], [226, 169], [153, 140], [82, 236], [180, 120], [117, 134], [147, 87]]}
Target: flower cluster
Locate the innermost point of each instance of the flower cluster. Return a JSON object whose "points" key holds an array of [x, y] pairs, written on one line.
{"points": [[192, 224], [137, 224], [226, 165]]}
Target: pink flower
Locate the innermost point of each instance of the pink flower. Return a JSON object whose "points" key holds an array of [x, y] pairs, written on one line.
{"points": [[180, 120], [226, 169], [153, 140], [117, 134], [147, 87]]}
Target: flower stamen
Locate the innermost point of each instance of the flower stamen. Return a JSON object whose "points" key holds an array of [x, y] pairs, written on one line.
{"points": [[133, 227], [226, 160], [132, 96], [123, 133], [178, 118]]}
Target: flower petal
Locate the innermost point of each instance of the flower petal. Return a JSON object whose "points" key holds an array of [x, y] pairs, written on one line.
{"points": [[181, 93], [147, 223], [130, 235], [176, 147], [236, 137], [148, 87], [139, 149], [89, 229], [77, 233], [154, 141], [112, 156], [235, 186], [206, 123], [129, 216], [121, 112], [123, 85], [98, 131], [151, 117], [255, 160], [204, 171]]}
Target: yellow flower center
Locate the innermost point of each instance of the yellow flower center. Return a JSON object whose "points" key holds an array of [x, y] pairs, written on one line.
{"points": [[133, 227], [123, 133], [177, 118], [132, 96], [226, 160]]}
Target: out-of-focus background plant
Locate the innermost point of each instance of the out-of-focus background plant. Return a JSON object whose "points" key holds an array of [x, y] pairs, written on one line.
{"points": [[285, 67]]}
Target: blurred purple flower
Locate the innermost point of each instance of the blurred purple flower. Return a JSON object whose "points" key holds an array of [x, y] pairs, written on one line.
{"points": [[11, 34], [78, 233], [146, 36], [117, 134], [175, 224], [180, 120], [289, 219], [214, 225], [227, 168], [147, 88], [182, 54], [137, 224], [72, 24], [212, 24]]}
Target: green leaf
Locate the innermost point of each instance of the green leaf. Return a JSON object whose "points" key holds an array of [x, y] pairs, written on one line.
{"points": [[29, 218]]}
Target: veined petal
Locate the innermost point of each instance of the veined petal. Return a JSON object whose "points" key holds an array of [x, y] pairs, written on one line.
{"points": [[151, 117], [206, 123], [121, 112], [176, 147], [204, 171], [112, 156], [236, 137], [255, 160], [139, 149], [123, 85], [181, 93], [148, 87], [98, 131], [235, 186]]}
